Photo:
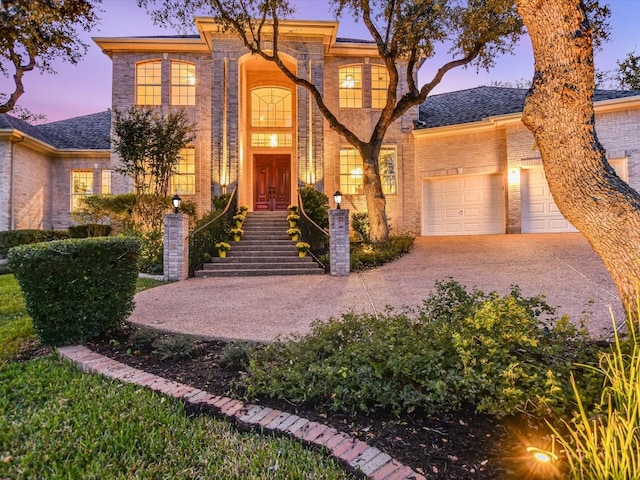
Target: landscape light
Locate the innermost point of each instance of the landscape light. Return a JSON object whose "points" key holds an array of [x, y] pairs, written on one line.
{"points": [[175, 201], [337, 197]]}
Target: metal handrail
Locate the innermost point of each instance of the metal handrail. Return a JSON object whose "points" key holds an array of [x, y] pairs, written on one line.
{"points": [[315, 235], [205, 236]]}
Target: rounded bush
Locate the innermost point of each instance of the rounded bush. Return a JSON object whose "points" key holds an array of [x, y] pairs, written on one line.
{"points": [[76, 289]]}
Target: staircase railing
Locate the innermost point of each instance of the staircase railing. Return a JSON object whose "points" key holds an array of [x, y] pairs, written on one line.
{"points": [[203, 239], [315, 236]]}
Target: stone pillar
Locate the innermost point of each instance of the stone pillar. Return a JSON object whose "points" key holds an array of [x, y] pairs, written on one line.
{"points": [[339, 242], [176, 247]]}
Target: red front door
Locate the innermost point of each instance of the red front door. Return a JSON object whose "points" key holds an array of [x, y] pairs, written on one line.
{"points": [[272, 177]]}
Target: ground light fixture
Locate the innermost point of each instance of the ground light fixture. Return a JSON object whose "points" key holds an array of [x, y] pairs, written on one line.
{"points": [[175, 201], [337, 197], [541, 455]]}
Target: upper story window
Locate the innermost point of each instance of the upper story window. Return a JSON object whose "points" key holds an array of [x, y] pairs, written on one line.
{"points": [[271, 107], [149, 83], [379, 86], [183, 83], [183, 180], [351, 174], [350, 86]]}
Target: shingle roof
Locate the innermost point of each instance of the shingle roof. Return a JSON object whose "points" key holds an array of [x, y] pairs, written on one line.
{"points": [[475, 104], [88, 132]]}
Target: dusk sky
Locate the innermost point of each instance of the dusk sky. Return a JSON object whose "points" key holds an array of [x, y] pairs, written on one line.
{"points": [[86, 87]]}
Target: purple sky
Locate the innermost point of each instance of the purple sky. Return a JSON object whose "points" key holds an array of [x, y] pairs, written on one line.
{"points": [[86, 87]]}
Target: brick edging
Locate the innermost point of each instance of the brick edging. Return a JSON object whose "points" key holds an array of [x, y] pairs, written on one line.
{"points": [[356, 454]]}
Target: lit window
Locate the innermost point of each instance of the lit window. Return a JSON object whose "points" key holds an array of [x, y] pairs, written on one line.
{"points": [[149, 83], [271, 140], [81, 186], [105, 182], [183, 180], [271, 107], [183, 83], [351, 178], [350, 86], [379, 86]]}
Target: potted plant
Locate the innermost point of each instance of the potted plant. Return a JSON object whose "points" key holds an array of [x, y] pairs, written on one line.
{"points": [[303, 248], [293, 219], [223, 248], [294, 233], [293, 208], [237, 233], [239, 219], [243, 209]]}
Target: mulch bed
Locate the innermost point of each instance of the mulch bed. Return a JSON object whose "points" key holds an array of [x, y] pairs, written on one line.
{"points": [[458, 445]]}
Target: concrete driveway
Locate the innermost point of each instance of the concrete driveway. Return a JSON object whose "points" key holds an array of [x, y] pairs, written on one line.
{"points": [[563, 267]]}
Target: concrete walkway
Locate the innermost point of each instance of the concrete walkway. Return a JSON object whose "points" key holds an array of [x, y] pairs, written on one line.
{"points": [[561, 266]]}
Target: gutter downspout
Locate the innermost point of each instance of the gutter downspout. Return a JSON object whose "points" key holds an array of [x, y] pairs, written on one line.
{"points": [[12, 220]]}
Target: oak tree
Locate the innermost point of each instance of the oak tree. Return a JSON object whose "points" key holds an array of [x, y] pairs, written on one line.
{"points": [[33, 33], [405, 32], [559, 112]]}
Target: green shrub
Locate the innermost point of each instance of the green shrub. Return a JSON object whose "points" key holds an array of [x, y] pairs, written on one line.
{"points": [[143, 339], [236, 355], [316, 205], [496, 353], [13, 238], [219, 202], [173, 347], [76, 289], [151, 256], [89, 230], [366, 255], [360, 226]]}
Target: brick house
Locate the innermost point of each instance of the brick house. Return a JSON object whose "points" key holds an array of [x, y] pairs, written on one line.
{"points": [[460, 164]]}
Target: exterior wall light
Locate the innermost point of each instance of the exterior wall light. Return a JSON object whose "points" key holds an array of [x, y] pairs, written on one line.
{"points": [[337, 197], [175, 201]]}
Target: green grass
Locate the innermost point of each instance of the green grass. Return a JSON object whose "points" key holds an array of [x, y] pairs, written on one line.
{"points": [[57, 422]]}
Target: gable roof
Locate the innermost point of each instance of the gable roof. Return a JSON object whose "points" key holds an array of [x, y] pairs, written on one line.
{"points": [[88, 132], [475, 104]]}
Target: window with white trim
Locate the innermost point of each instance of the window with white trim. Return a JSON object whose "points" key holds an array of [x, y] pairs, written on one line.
{"points": [[149, 83], [81, 186], [183, 83], [183, 180], [351, 173], [350, 86], [379, 86]]}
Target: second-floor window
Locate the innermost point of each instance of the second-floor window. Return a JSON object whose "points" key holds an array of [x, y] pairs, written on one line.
{"points": [[183, 83], [350, 86], [379, 86], [271, 107], [149, 83]]}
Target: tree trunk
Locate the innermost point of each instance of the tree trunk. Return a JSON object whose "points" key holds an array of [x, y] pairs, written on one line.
{"points": [[559, 113], [376, 202]]}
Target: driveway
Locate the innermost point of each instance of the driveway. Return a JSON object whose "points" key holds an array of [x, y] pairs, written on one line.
{"points": [[563, 267]]}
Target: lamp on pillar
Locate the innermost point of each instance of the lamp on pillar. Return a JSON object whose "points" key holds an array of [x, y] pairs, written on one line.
{"points": [[175, 201], [337, 197]]}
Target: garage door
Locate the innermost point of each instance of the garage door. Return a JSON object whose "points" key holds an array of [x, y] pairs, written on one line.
{"points": [[539, 211], [463, 205]]}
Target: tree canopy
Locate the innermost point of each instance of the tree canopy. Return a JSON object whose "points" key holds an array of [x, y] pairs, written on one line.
{"points": [[405, 32], [35, 32]]}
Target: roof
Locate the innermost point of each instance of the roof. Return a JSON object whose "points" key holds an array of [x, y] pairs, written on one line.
{"points": [[88, 132], [475, 104]]}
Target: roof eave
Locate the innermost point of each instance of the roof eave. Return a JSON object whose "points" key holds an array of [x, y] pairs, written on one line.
{"points": [[110, 45]]}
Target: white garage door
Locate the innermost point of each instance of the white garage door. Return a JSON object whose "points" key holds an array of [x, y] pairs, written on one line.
{"points": [[463, 205], [539, 211]]}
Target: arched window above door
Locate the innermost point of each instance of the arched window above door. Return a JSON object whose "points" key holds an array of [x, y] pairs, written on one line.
{"points": [[271, 107]]}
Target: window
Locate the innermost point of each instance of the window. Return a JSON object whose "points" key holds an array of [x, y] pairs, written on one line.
{"points": [[183, 83], [271, 107], [271, 140], [184, 178], [350, 86], [105, 182], [379, 86], [351, 171], [148, 83], [81, 186]]}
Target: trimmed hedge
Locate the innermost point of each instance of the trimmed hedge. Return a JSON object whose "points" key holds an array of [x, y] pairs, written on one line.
{"points": [[13, 238], [89, 230], [76, 289]]}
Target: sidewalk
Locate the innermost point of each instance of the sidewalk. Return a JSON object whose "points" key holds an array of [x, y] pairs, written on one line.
{"points": [[561, 266]]}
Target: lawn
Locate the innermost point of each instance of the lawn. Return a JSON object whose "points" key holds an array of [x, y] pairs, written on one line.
{"points": [[60, 423]]}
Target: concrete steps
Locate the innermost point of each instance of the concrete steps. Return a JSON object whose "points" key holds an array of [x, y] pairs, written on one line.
{"points": [[265, 249]]}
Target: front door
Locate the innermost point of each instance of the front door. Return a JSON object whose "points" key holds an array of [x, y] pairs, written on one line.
{"points": [[272, 188]]}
